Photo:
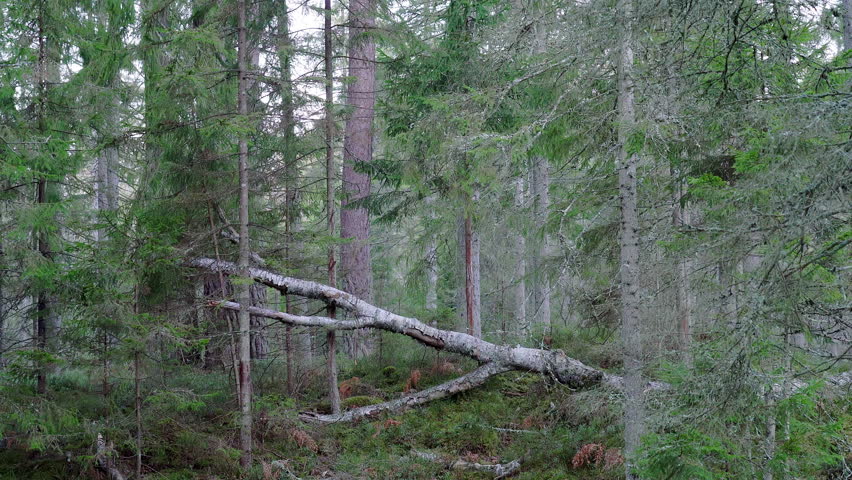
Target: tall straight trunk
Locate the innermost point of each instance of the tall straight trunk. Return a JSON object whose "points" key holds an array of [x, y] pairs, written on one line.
{"points": [[847, 26], [472, 292], [520, 252], [137, 381], [431, 259], [42, 245], [680, 218], [290, 169], [358, 148], [634, 416], [331, 336], [541, 186], [244, 288]]}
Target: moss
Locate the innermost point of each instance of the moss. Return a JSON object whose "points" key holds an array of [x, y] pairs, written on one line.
{"points": [[360, 401]]}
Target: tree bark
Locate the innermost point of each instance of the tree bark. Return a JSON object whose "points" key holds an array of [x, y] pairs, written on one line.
{"points": [[244, 288], [331, 339], [680, 218], [520, 252], [551, 362], [541, 187], [634, 416], [358, 149], [471, 279], [847, 26], [431, 258], [42, 300]]}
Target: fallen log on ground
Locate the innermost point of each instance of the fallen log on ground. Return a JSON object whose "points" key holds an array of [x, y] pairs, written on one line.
{"points": [[499, 470]]}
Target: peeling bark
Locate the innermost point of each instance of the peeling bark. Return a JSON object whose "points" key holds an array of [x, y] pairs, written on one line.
{"points": [[552, 362]]}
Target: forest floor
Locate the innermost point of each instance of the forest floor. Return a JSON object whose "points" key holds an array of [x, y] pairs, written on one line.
{"points": [[190, 433]]}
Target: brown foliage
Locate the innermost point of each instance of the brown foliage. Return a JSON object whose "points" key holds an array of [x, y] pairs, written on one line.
{"points": [[443, 367], [588, 454], [413, 381], [303, 440], [597, 454], [347, 387]]}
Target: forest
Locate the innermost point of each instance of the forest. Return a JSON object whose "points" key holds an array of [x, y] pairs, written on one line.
{"points": [[426, 239]]}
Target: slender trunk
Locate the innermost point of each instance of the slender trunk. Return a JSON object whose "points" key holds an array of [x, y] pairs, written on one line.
{"points": [[680, 218], [541, 186], [244, 288], [431, 259], [40, 326], [471, 284], [847, 26], [520, 252], [137, 381], [634, 415], [358, 148], [331, 339], [291, 172]]}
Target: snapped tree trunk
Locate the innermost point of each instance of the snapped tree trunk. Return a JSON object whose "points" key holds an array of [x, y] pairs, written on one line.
{"points": [[631, 335], [358, 148]]}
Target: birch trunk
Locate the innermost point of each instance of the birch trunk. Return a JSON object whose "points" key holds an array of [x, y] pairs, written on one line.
{"points": [[358, 148], [634, 415], [244, 288]]}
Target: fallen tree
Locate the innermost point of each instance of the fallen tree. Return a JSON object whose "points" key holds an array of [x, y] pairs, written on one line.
{"points": [[494, 359]]}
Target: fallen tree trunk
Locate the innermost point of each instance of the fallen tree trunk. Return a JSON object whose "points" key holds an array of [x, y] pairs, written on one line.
{"points": [[455, 386], [555, 363], [495, 359], [499, 470]]}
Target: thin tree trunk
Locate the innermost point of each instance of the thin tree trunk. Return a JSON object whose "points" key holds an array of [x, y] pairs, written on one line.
{"points": [[634, 416], [680, 218], [42, 307], [472, 285], [431, 259], [358, 148], [520, 252], [331, 339], [541, 186], [847, 26], [244, 288], [137, 381]]}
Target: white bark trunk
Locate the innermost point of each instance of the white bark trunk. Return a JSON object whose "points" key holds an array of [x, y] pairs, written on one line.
{"points": [[552, 362]]}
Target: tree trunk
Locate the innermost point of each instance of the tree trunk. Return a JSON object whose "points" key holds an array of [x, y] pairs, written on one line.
{"points": [[541, 187], [431, 258], [358, 148], [331, 339], [244, 288], [634, 416], [520, 252], [680, 218], [42, 300], [471, 284], [847, 26]]}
